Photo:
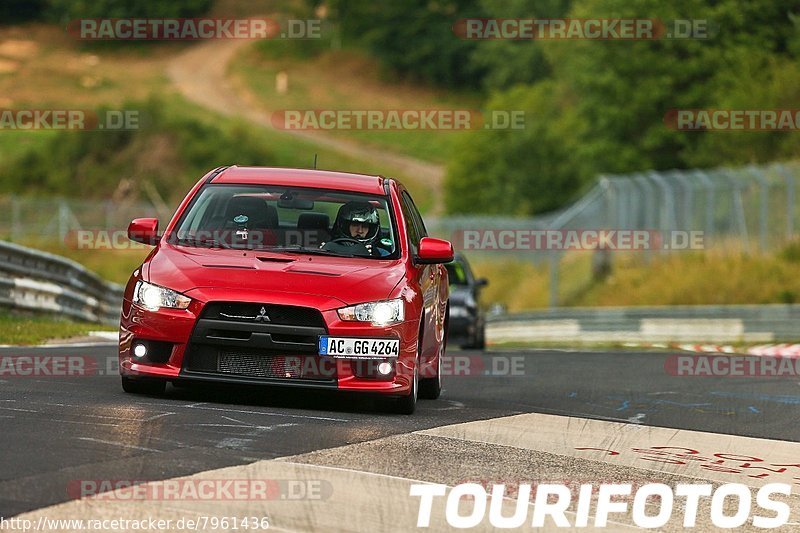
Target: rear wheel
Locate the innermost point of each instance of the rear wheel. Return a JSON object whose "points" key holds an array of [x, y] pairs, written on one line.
{"points": [[152, 387], [480, 342]]}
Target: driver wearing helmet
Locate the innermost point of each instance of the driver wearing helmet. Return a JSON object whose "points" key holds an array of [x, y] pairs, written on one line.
{"points": [[359, 221]]}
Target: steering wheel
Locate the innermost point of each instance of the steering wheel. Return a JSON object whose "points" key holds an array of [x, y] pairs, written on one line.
{"points": [[346, 245], [346, 241]]}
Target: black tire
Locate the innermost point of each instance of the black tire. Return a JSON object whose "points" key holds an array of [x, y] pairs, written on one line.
{"points": [[431, 388], [480, 342], [153, 387], [406, 405]]}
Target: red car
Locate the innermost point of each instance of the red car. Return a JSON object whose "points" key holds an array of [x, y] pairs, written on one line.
{"points": [[301, 278]]}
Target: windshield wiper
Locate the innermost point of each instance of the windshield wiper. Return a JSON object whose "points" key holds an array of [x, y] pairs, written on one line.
{"points": [[297, 249]]}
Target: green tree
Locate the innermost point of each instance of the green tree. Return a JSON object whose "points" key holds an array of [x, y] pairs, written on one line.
{"points": [[509, 62], [65, 10], [413, 38], [603, 105], [519, 171]]}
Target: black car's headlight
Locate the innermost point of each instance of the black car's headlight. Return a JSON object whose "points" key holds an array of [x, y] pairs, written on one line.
{"points": [[153, 297], [458, 311]]}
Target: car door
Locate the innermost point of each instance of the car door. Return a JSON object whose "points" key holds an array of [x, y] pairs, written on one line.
{"points": [[429, 278]]}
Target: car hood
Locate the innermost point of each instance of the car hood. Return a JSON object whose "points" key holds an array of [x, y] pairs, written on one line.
{"points": [[212, 271]]}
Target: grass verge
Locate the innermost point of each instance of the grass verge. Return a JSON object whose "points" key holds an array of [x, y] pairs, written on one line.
{"points": [[712, 277], [34, 329], [175, 144], [348, 80]]}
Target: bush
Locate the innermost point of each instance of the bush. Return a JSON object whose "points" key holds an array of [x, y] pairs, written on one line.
{"points": [[172, 148], [65, 10]]}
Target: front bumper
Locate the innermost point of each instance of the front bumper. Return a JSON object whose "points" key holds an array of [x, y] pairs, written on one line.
{"points": [[198, 347], [463, 326]]}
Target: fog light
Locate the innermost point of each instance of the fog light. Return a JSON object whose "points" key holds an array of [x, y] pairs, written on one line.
{"points": [[140, 350], [385, 368]]}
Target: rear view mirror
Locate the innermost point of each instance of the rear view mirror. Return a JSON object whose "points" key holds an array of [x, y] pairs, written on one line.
{"points": [[143, 230], [481, 282], [288, 200]]}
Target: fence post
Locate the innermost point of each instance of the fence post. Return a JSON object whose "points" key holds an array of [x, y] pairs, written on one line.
{"points": [[647, 189], [688, 200], [710, 197], [63, 220], [554, 260], [15, 217], [763, 198], [738, 210], [789, 177]]}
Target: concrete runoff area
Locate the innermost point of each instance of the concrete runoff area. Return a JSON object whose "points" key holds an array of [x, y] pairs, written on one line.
{"points": [[367, 486]]}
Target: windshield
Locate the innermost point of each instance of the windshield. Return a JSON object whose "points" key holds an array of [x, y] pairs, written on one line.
{"points": [[456, 274], [291, 220]]}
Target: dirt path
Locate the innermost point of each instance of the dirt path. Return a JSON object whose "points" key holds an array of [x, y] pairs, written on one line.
{"points": [[200, 73]]}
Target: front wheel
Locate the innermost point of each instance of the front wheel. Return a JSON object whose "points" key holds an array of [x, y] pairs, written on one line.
{"points": [[407, 404], [151, 387], [431, 388]]}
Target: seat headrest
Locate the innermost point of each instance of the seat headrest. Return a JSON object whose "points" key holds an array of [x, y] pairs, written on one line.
{"points": [[313, 221], [259, 214]]}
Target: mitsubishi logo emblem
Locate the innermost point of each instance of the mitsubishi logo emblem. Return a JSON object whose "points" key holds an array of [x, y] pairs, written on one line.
{"points": [[262, 315]]}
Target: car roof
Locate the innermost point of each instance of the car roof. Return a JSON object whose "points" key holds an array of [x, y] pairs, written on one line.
{"points": [[300, 177]]}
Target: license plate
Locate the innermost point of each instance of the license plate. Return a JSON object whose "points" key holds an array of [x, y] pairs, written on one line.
{"points": [[354, 348]]}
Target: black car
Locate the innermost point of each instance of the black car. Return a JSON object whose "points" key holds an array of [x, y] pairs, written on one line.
{"points": [[467, 322]]}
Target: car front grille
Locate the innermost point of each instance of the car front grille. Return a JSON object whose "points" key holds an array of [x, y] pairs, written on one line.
{"points": [[285, 315], [231, 340], [253, 364]]}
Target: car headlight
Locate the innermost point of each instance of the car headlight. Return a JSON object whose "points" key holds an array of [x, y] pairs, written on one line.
{"points": [[458, 311], [153, 297], [469, 301], [382, 313]]}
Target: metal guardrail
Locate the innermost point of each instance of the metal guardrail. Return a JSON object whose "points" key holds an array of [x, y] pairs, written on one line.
{"points": [[703, 323], [43, 282]]}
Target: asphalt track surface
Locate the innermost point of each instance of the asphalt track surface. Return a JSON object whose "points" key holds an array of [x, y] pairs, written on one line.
{"points": [[56, 430]]}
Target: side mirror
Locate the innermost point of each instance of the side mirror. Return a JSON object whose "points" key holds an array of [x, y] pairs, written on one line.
{"points": [[481, 282], [433, 251], [144, 230]]}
